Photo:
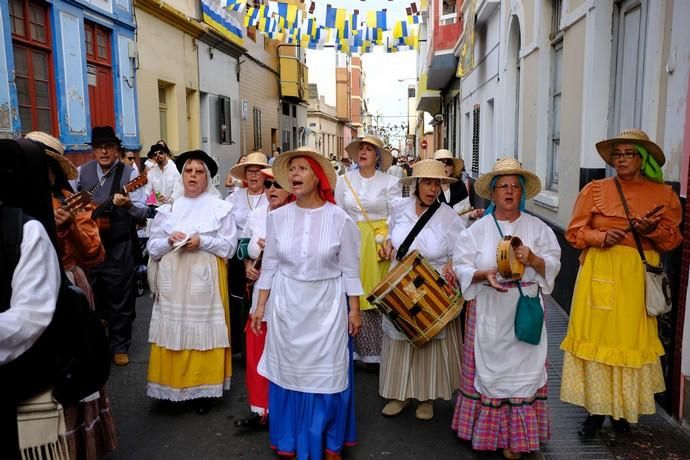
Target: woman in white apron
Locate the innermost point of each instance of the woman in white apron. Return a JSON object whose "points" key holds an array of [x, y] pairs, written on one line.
{"points": [[502, 401], [310, 278]]}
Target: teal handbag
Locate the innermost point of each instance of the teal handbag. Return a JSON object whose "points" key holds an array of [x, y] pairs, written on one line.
{"points": [[529, 318]]}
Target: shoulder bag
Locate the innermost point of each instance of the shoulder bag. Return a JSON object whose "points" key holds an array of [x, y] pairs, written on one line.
{"points": [[656, 285]]}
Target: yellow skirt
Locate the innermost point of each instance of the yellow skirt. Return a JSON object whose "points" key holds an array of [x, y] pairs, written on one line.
{"points": [[371, 269], [179, 375], [611, 364]]}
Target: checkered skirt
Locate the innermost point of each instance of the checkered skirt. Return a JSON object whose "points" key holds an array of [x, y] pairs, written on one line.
{"points": [[519, 424]]}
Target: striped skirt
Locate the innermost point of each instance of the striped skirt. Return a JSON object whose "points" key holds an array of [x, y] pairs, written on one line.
{"points": [[426, 373], [519, 424], [90, 426]]}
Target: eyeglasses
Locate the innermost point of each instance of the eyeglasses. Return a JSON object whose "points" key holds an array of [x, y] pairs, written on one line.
{"points": [[105, 147], [129, 158], [505, 187], [251, 172], [271, 183], [628, 155], [447, 162]]}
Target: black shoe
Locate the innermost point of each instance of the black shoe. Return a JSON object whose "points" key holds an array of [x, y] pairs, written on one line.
{"points": [[254, 422], [591, 425], [621, 425], [202, 406]]}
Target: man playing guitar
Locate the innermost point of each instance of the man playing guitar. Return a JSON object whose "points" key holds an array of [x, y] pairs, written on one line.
{"points": [[112, 281]]}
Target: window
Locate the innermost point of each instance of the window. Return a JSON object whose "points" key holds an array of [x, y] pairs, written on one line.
{"points": [[224, 121], [475, 141], [410, 91], [257, 129], [33, 70], [555, 97], [163, 110]]}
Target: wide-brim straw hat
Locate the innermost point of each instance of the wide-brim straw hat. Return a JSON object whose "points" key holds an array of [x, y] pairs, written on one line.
{"points": [[508, 167], [253, 159], [630, 136], [444, 154], [55, 150], [281, 165], [182, 158], [428, 169], [386, 156], [268, 172]]}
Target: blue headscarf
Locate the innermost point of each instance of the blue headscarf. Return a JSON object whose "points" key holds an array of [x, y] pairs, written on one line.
{"points": [[492, 206]]}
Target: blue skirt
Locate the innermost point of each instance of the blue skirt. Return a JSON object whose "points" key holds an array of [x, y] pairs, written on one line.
{"points": [[308, 424]]}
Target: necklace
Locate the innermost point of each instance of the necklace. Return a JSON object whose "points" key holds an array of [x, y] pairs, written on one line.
{"points": [[249, 202]]}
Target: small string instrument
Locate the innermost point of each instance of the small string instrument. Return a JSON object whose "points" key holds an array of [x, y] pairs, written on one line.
{"points": [[508, 266], [102, 212], [76, 202]]}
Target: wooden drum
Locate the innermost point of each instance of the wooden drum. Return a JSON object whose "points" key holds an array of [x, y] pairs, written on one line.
{"points": [[417, 300], [508, 266]]}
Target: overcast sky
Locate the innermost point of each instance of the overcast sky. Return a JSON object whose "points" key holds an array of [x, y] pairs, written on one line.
{"points": [[386, 94]]}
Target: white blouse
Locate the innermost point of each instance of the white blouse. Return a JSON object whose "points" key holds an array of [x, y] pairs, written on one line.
{"points": [[207, 215], [255, 229], [436, 240], [377, 194], [242, 204], [312, 245], [35, 285]]}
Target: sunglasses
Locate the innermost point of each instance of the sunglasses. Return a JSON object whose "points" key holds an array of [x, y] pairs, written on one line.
{"points": [[447, 162], [129, 158], [270, 183]]}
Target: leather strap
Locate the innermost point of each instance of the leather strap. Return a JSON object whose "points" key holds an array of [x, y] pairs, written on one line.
{"points": [[405, 246], [631, 222]]}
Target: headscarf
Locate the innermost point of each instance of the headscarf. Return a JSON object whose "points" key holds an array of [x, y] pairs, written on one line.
{"points": [[650, 168], [178, 189], [325, 190], [377, 166], [492, 206]]}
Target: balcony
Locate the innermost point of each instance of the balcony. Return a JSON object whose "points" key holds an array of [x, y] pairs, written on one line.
{"points": [[428, 100], [442, 61], [294, 79]]}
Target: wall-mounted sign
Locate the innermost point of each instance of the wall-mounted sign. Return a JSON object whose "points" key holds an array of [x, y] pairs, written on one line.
{"points": [[91, 74]]}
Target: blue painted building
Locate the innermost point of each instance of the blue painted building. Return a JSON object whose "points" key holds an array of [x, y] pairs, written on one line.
{"points": [[66, 66]]}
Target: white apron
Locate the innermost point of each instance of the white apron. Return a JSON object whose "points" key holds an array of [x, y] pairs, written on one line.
{"points": [[506, 366], [306, 345]]}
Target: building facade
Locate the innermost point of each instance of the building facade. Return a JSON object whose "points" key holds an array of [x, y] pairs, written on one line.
{"points": [[66, 67], [325, 130]]}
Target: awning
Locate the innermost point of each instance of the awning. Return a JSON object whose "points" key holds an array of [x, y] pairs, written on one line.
{"points": [[442, 69]]}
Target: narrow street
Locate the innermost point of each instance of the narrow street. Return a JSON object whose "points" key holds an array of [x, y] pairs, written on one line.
{"points": [[150, 430]]}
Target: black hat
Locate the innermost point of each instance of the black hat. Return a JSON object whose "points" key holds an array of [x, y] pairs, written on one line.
{"points": [[197, 155], [103, 135], [155, 148]]}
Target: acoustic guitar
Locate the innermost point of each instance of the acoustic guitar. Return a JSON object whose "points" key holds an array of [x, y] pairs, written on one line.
{"points": [[103, 211]]}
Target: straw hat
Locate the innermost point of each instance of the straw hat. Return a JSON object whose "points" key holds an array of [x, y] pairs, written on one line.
{"points": [[444, 154], [508, 167], [282, 164], [630, 136], [268, 172], [197, 155], [386, 156], [428, 169], [55, 150], [253, 159]]}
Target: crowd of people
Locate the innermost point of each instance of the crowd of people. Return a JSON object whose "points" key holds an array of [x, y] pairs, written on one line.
{"points": [[280, 270]]}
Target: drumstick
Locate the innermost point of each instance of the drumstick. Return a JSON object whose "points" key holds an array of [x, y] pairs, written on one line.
{"points": [[465, 211]]}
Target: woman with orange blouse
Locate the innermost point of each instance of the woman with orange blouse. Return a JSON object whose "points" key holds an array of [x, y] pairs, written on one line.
{"points": [[90, 428], [611, 364]]}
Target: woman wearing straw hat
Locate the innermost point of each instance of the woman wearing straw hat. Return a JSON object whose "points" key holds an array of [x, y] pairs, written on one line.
{"points": [[189, 333], [310, 278], [502, 401], [244, 201], [90, 427], [455, 194], [611, 364], [433, 371], [257, 385], [367, 195]]}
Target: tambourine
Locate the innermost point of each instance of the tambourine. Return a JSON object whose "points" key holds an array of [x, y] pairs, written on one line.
{"points": [[509, 267]]}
